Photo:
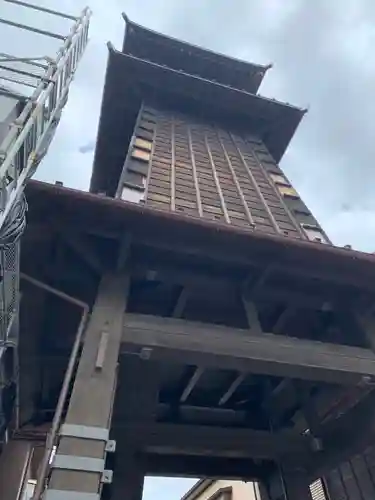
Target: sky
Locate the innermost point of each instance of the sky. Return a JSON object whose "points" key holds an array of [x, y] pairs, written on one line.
{"points": [[322, 55]]}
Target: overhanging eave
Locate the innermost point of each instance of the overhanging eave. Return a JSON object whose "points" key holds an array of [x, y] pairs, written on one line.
{"points": [[130, 80], [162, 49]]}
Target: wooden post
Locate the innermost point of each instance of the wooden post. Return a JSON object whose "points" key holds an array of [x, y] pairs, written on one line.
{"points": [[76, 468], [14, 468], [128, 483]]}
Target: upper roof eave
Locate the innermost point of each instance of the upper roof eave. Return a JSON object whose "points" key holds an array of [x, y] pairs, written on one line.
{"points": [[253, 73], [125, 71]]}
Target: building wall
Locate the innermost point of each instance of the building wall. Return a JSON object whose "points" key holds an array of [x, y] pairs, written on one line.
{"points": [[241, 490], [183, 164], [8, 112]]}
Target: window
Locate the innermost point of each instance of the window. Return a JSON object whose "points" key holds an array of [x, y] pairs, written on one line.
{"points": [[139, 154], [314, 233], [133, 195], [279, 179], [136, 166], [143, 144], [288, 191]]}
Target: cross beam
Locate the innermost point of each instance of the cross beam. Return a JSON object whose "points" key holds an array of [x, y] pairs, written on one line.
{"points": [[210, 346], [198, 466], [199, 440]]}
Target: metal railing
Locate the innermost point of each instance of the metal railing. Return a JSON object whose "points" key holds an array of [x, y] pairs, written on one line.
{"points": [[30, 134], [22, 148]]}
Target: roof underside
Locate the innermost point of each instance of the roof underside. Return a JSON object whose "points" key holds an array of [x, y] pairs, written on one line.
{"points": [[113, 216], [72, 245], [176, 54], [130, 80]]}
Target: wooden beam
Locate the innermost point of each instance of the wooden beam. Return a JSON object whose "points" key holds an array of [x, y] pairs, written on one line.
{"points": [[124, 248], [196, 466], [210, 346], [180, 303], [332, 401], [191, 384], [179, 439], [137, 391], [203, 415], [252, 316], [85, 250], [183, 276], [232, 388], [283, 318], [345, 436], [253, 286]]}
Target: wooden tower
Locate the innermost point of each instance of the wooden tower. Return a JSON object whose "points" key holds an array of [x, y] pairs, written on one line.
{"points": [[209, 326]]}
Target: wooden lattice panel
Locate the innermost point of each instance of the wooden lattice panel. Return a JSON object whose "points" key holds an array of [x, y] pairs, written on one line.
{"points": [[353, 479], [202, 170]]}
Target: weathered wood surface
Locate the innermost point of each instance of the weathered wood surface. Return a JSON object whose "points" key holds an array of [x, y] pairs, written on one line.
{"points": [[228, 348], [179, 439]]}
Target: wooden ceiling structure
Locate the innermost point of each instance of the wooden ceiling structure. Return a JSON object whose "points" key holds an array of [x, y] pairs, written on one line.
{"points": [[234, 343], [234, 353]]}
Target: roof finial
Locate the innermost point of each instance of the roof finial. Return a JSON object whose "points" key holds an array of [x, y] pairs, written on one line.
{"points": [[125, 17]]}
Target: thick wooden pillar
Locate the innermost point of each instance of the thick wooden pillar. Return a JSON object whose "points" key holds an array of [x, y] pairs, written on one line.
{"points": [[78, 465], [290, 484], [297, 485], [129, 480], [15, 462]]}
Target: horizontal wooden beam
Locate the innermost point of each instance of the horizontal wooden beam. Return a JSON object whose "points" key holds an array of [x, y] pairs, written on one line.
{"points": [[186, 277], [224, 442], [196, 466], [203, 415], [209, 346]]}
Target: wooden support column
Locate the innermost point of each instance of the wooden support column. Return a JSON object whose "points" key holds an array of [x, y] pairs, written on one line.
{"points": [[91, 401], [128, 483], [288, 484], [15, 462], [297, 485]]}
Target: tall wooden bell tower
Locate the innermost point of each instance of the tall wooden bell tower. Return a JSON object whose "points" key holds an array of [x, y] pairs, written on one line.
{"points": [[207, 324]]}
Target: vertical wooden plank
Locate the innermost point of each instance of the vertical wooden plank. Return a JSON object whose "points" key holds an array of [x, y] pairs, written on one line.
{"points": [[173, 166], [236, 181], [194, 167], [216, 180]]}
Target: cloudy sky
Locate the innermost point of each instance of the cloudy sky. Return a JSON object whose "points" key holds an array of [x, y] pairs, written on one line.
{"points": [[322, 52]]}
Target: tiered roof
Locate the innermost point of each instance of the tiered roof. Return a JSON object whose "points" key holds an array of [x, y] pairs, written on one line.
{"points": [[153, 66]]}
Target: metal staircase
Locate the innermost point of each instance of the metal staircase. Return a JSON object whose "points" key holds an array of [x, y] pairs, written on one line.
{"points": [[39, 86]]}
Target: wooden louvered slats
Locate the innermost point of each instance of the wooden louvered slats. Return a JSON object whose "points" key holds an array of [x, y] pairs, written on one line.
{"points": [[201, 170]]}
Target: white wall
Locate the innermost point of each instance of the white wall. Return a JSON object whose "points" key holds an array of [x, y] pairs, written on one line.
{"points": [[7, 104], [241, 489]]}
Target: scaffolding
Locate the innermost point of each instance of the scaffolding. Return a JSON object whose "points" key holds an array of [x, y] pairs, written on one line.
{"points": [[38, 85]]}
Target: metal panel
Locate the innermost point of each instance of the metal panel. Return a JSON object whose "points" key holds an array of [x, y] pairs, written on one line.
{"points": [[70, 495]]}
